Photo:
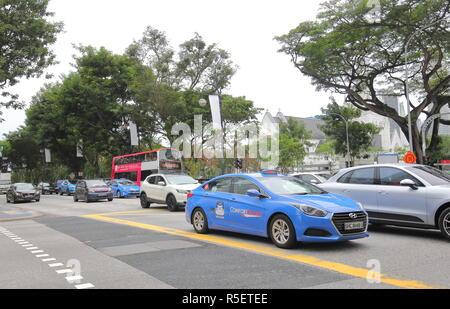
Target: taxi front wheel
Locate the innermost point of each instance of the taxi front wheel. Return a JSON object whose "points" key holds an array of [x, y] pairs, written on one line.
{"points": [[282, 232], [199, 221]]}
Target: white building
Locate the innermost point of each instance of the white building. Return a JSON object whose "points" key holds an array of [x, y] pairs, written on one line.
{"points": [[388, 140]]}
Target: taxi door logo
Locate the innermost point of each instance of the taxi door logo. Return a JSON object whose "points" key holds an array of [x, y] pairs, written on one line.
{"points": [[220, 210]]}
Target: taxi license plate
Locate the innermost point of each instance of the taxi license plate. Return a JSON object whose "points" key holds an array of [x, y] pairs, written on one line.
{"points": [[349, 226]]}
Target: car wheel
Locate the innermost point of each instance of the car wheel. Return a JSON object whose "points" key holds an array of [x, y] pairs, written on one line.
{"points": [[118, 194], [7, 199], [144, 201], [86, 198], [37, 200], [282, 232], [199, 221], [444, 223], [171, 202], [75, 198]]}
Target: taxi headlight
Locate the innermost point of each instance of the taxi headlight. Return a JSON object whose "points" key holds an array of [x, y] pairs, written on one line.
{"points": [[310, 210]]}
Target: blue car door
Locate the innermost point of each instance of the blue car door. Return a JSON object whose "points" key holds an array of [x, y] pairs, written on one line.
{"points": [[217, 201], [247, 214]]}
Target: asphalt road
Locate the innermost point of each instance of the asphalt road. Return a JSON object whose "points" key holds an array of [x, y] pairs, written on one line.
{"points": [[119, 245]]}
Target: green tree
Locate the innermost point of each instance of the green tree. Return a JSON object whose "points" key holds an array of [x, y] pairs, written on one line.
{"points": [[88, 109], [442, 152], [198, 66], [293, 143], [25, 37], [360, 134], [345, 51]]}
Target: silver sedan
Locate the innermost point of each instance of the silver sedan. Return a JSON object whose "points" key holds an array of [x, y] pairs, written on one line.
{"points": [[398, 194]]}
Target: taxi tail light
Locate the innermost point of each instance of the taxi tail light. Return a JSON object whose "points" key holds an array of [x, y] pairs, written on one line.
{"points": [[189, 195]]}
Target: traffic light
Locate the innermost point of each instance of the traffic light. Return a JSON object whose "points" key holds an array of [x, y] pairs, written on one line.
{"points": [[238, 163]]}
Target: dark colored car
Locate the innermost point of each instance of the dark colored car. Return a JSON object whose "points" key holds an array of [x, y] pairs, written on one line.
{"points": [[22, 192], [92, 190], [46, 188]]}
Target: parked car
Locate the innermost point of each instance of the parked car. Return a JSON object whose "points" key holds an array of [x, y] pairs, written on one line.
{"points": [[46, 188], [4, 186], [409, 195], [92, 190], [67, 187], [313, 177], [124, 188], [169, 189], [283, 208], [22, 192]]}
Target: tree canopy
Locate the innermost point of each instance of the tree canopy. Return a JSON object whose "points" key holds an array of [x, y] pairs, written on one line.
{"points": [[362, 52], [26, 34]]}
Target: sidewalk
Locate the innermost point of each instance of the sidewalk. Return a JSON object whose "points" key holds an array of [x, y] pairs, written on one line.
{"points": [[11, 213]]}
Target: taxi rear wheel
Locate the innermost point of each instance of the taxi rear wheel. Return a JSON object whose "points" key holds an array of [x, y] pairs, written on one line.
{"points": [[199, 221], [282, 232]]}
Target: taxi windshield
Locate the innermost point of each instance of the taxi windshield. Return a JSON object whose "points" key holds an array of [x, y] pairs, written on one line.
{"points": [[289, 186]]}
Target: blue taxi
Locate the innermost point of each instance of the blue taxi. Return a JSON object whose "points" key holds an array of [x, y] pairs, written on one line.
{"points": [[124, 188], [283, 208], [67, 187]]}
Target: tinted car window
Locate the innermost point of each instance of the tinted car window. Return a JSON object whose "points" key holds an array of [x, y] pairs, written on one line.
{"points": [[432, 175], [220, 185], [152, 180], [242, 185], [365, 176], [390, 176]]}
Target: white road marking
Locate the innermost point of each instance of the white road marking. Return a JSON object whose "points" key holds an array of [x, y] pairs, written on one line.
{"points": [[64, 271], [48, 260], [84, 286], [71, 279], [56, 264]]}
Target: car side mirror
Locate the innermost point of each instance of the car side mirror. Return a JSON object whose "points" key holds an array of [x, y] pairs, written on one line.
{"points": [[255, 193], [410, 183], [161, 183]]}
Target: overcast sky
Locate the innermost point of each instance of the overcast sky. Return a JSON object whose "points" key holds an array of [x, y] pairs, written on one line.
{"points": [[245, 28]]}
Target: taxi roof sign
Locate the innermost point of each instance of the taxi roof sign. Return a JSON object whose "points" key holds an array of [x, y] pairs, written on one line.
{"points": [[269, 172]]}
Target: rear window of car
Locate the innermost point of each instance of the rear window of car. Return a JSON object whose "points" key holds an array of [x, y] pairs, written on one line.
{"points": [[363, 176], [430, 174]]}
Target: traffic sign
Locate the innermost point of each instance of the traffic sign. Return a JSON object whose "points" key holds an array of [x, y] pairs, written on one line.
{"points": [[410, 158]]}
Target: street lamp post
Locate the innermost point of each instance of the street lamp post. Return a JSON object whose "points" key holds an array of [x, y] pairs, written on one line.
{"points": [[408, 105]]}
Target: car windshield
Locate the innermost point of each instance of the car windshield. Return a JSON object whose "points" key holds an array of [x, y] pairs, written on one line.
{"points": [[74, 182], [24, 186], [289, 186], [324, 176], [95, 183], [180, 179], [126, 183], [431, 174]]}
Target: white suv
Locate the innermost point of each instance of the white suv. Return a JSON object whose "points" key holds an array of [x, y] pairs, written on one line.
{"points": [[168, 189]]}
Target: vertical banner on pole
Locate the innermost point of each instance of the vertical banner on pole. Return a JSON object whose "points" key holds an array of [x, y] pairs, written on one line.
{"points": [[79, 150], [133, 134], [214, 102], [48, 157]]}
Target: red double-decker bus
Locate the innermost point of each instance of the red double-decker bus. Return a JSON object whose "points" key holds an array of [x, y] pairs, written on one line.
{"points": [[138, 166]]}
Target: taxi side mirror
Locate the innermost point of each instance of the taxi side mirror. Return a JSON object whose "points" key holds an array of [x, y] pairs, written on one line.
{"points": [[255, 193]]}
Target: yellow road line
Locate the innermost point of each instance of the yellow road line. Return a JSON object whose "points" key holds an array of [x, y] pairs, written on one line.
{"points": [[304, 259]]}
